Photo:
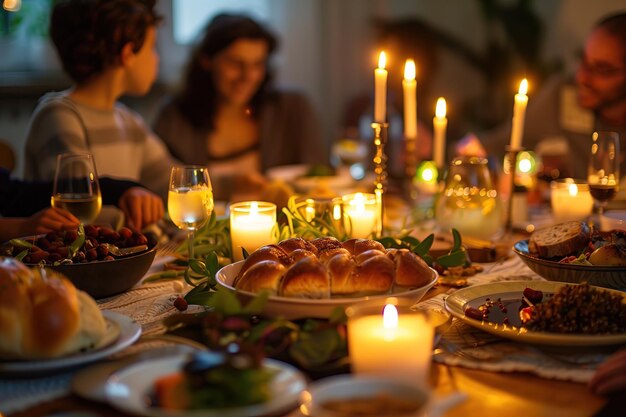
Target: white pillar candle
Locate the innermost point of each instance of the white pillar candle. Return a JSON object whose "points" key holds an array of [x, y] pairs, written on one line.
{"points": [[380, 90], [440, 124], [570, 200], [409, 88], [361, 214], [519, 113], [396, 344], [251, 226]]}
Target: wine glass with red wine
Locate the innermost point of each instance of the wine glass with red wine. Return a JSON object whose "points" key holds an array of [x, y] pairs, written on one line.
{"points": [[603, 175]]}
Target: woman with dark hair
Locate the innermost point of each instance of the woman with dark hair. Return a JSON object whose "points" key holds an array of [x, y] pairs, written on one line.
{"points": [[107, 47], [228, 117]]}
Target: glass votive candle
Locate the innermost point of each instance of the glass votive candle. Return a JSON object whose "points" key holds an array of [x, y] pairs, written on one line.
{"points": [[390, 339], [251, 226], [361, 214], [570, 199], [469, 202]]}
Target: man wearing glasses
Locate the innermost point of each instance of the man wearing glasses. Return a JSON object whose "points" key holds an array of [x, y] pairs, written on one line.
{"points": [[562, 116]]}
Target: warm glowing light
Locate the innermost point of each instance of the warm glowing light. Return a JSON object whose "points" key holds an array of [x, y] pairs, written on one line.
{"points": [[382, 60], [573, 190], [409, 70], [524, 165], [12, 5], [440, 110], [390, 317], [523, 87]]}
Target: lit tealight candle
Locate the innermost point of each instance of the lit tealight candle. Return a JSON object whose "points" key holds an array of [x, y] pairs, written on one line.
{"points": [[440, 124], [360, 214], [409, 88], [251, 226], [570, 200], [380, 90], [397, 344], [519, 113]]}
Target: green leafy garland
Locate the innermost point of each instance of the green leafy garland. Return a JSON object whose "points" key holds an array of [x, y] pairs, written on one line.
{"points": [[212, 248]]}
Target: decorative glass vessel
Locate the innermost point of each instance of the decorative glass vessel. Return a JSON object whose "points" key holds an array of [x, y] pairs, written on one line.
{"points": [[469, 202]]}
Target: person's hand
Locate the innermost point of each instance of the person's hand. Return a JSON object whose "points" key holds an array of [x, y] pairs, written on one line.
{"points": [[48, 220], [141, 207], [610, 376]]}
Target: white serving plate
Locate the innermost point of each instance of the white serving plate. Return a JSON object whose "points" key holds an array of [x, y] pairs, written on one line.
{"points": [[129, 390], [122, 332], [295, 308]]}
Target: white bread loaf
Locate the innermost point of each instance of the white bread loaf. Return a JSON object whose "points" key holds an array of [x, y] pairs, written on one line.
{"points": [[324, 267], [559, 240], [42, 314]]}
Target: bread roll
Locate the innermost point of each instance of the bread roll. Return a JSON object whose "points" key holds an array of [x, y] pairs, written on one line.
{"points": [[325, 267], [307, 278], [358, 246], [411, 270], [265, 253], [296, 243], [559, 240], [264, 275], [42, 314]]}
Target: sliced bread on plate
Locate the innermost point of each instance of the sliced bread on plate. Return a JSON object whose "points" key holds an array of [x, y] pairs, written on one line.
{"points": [[560, 240]]}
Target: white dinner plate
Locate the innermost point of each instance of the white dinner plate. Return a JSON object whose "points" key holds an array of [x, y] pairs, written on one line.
{"points": [[293, 308], [476, 295], [122, 332], [130, 389], [296, 175]]}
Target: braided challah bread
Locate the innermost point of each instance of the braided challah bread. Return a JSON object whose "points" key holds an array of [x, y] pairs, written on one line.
{"points": [[326, 267], [42, 314]]}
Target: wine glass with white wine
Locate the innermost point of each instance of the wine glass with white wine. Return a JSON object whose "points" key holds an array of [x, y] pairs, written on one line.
{"points": [[190, 199], [76, 188], [603, 175]]}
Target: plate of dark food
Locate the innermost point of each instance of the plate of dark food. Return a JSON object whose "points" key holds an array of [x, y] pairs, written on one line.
{"points": [[574, 252], [98, 260], [543, 312]]}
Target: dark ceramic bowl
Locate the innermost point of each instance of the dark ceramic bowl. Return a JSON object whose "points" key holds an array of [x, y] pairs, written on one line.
{"points": [[105, 278], [603, 276]]}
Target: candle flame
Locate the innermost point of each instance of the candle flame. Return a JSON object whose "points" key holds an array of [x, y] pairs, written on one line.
{"points": [[440, 110], [382, 60], [254, 208], [359, 202], [573, 190], [390, 317], [523, 87], [409, 70]]}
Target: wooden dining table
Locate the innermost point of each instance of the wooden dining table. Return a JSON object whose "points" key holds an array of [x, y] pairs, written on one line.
{"points": [[511, 394]]}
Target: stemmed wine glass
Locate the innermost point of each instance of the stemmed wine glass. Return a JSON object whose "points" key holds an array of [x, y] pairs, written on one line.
{"points": [[190, 199], [76, 188], [603, 175]]}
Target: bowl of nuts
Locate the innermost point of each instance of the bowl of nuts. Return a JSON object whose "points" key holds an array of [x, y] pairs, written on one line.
{"points": [[98, 260]]}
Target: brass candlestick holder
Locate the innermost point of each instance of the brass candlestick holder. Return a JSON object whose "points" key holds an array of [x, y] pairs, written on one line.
{"points": [[380, 169], [511, 161]]}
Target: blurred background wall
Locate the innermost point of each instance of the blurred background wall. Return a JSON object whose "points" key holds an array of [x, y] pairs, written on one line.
{"points": [[329, 49]]}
